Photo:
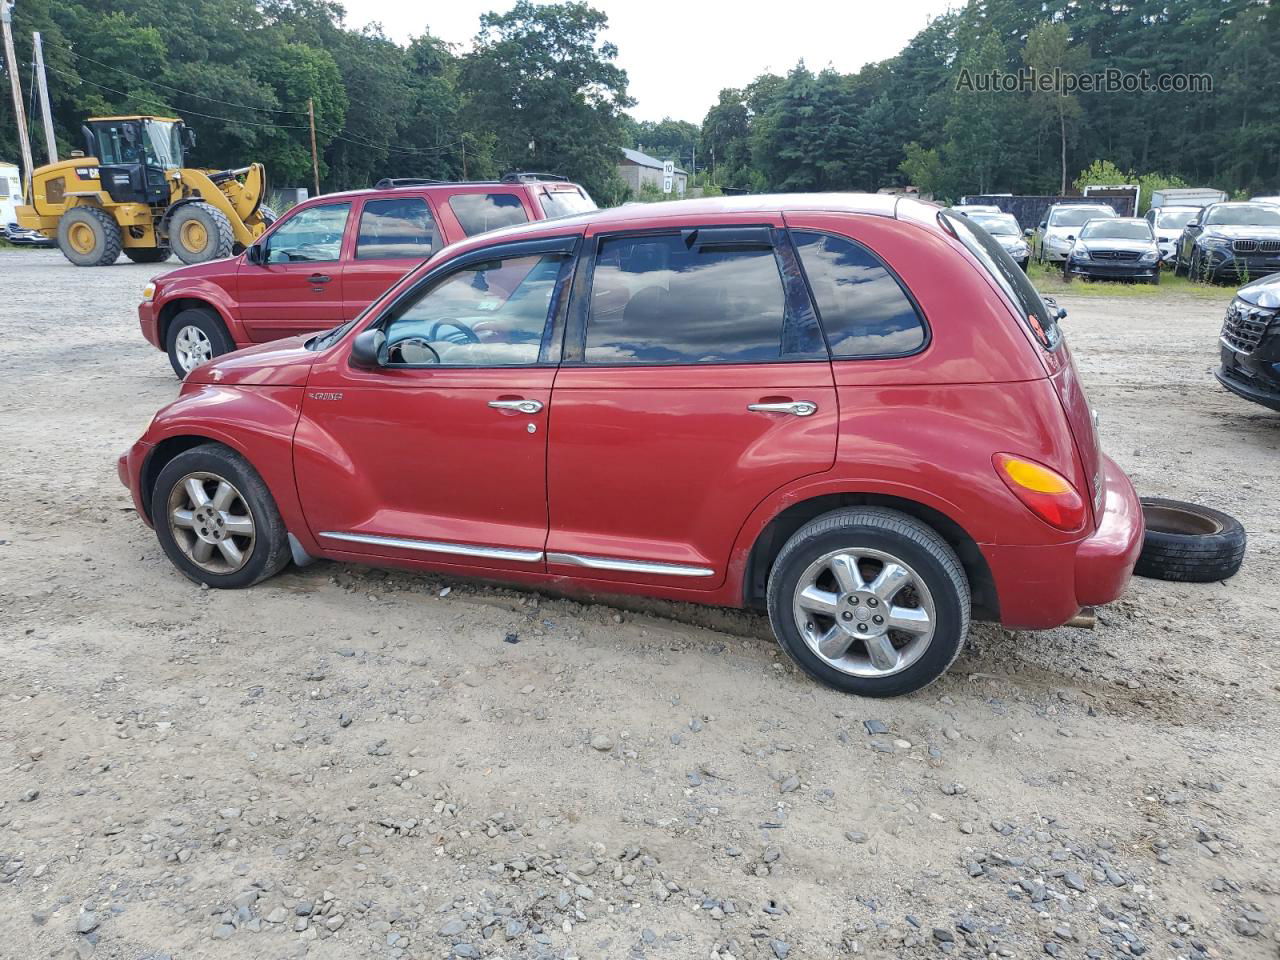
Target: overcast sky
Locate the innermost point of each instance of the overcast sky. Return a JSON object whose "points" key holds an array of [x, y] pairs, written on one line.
{"points": [[679, 55]]}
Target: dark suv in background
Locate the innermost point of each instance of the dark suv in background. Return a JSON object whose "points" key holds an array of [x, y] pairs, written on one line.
{"points": [[1230, 241], [1250, 343]]}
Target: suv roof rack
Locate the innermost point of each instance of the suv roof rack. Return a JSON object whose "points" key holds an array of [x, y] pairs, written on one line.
{"points": [[520, 176]]}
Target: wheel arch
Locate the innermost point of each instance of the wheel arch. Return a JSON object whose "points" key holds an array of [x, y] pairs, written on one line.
{"points": [[771, 538], [171, 308], [163, 453]]}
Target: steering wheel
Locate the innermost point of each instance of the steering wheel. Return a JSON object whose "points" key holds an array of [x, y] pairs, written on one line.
{"points": [[464, 333], [420, 351]]}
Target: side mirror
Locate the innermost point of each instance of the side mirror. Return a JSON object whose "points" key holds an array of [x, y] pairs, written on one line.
{"points": [[1071, 236], [369, 349], [1027, 232], [255, 254], [1193, 223]]}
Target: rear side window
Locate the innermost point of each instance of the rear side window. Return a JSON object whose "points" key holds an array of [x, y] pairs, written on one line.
{"points": [[479, 212], [659, 299], [863, 309], [1023, 297], [397, 228], [562, 202]]}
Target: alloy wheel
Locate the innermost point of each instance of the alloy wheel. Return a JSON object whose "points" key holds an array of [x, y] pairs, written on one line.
{"points": [[192, 347], [211, 523], [864, 612]]}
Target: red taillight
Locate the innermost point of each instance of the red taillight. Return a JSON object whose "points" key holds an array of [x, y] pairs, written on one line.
{"points": [[1046, 493]]}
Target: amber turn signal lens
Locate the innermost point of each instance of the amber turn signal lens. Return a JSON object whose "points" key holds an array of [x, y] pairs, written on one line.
{"points": [[1046, 493]]}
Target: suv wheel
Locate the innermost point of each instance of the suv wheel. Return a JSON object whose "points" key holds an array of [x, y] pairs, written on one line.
{"points": [[869, 601], [195, 336], [216, 519]]}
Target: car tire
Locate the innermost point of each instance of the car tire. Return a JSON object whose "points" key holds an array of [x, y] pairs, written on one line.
{"points": [[147, 254], [1195, 269], [195, 336], [1189, 543], [89, 237], [192, 535], [883, 662], [200, 232]]}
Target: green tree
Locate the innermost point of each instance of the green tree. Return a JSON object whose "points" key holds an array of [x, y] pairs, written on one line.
{"points": [[1049, 49], [545, 84]]}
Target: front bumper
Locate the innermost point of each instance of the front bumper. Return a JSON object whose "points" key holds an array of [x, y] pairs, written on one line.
{"points": [[1226, 263], [129, 470], [1250, 377], [149, 323], [1113, 270], [1040, 587]]}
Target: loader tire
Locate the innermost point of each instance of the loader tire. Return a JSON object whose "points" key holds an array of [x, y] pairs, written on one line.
{"points": [[89, 237], [147, 254], [268, 215], [199, 232]]}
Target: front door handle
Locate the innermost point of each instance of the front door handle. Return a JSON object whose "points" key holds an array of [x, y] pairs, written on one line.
{"points": [[797, 408], [318, 278], [523, 406]]}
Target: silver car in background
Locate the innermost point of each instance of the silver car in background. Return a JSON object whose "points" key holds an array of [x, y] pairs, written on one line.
{"points": [[1166, 224], [1052, 239], [1004, 228]]}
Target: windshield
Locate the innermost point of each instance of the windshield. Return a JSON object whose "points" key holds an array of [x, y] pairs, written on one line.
{"points": [[1023, 297], [561, 203], [163, 144], [1116, 230], [1174, 219], [1244, 215], [997, 224], [1075, 216]]}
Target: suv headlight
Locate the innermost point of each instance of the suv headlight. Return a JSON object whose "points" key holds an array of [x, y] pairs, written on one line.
{"points": [[1151, 256], [1209, 240], [1079, 253]]}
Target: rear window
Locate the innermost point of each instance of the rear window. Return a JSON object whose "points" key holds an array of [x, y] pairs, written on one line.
{"points": [[1023, 297], [562, 202], [481, 212]]}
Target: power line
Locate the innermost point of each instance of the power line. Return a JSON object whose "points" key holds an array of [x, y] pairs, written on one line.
{"points": [[185, 93]]}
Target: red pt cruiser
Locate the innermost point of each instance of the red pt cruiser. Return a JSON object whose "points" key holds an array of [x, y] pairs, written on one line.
{"points": [[855, 411]]}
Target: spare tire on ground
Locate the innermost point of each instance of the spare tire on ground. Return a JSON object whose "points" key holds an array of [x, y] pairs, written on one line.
{"points": [[1188, 542]]}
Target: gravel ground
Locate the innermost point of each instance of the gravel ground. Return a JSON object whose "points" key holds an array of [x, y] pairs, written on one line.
{"points": [[351, 763]]}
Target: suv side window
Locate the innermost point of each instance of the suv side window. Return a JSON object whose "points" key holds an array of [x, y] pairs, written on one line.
{"points": [[659, 299], [396, 228], [488, 314], [313, 235], [864, 310], [480, 212]]}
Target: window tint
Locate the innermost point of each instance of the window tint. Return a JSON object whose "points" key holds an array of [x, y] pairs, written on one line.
{"points": [[478, 212], [863, 309], [312, 234], [1009, 277], [656, 300], [561, 203], [486, 314], [397, 228]]}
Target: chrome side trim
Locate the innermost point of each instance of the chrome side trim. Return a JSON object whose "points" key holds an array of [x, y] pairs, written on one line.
{"points": [[631, 566], [431, 546]]}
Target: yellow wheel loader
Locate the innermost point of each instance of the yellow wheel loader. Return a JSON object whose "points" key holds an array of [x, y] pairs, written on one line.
{"points": [[132, 192]]}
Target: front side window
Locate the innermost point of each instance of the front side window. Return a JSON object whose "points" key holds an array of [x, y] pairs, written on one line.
{"points": [[487, 314], [399, 228], [863, 309], [667, 299], [1175, 219], [480, 212], [311, 235], [1009, 277]]}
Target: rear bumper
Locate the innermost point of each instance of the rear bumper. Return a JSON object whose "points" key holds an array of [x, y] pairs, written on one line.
{"points": [[1040, 587], [129, 470], [149, 323]]}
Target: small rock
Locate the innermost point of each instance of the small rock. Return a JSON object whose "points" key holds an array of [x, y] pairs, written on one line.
{"points": [[601, 742], [781, 949], [875, 727]]}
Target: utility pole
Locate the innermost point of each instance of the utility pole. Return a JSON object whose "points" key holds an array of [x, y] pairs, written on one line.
{"points": [[315, 160], [49, 140], [11, 64], [464, 158]]}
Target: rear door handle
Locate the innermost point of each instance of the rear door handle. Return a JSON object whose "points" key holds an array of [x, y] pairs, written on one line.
{"points": [[797, 408], [524, 406], [318, 278]]}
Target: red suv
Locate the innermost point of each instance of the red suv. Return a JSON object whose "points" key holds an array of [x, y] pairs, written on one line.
{"points": [[327, 258], [854, 411]]}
